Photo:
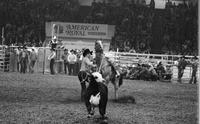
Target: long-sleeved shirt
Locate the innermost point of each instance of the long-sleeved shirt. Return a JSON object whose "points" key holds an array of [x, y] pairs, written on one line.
{"points": [[65, 57], [72, 58], [86, 64]]}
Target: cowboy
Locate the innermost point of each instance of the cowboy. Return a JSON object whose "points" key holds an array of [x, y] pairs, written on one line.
{"points": [[181, 67], [23, 60], [194, 63], [64, 57], [85, 71], [100, 54], [52, 57]]}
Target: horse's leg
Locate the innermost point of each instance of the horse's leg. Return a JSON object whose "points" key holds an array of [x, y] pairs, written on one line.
{"points": [[103, 89], [115, 91]]}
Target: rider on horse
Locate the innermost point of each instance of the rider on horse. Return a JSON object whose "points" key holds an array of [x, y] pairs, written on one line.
{"points": [[100, 55], [85, 71]]}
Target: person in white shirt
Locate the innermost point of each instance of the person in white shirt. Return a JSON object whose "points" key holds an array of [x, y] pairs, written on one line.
{"points": [[52, 57], [72, 58]]}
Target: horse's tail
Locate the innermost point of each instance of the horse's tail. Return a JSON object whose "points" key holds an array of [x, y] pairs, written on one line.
{"points": [[120, 80]]}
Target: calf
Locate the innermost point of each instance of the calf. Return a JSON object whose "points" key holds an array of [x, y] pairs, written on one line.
{"points": [[96, 86]]}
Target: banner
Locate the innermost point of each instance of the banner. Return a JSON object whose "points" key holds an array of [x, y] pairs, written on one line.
{"points": [[77, 30]]}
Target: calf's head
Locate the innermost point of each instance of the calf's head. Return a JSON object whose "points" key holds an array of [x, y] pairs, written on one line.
{"points": [[97, 77]]}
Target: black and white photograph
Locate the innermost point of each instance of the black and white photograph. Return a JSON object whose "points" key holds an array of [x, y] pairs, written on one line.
{"points": [[99, 61]]}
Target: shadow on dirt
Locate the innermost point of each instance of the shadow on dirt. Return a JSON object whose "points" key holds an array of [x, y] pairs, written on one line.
{"points": [[70, 100], [125, 99]]}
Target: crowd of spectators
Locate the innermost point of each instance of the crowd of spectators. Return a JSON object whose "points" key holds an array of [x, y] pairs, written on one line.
{"points": [[148, 71], [24, 23]]}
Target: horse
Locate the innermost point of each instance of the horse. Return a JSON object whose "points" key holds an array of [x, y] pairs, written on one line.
{"points": [[108, 72]]}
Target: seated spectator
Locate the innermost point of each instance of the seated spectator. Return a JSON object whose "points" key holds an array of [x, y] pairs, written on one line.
{"points": [[160, 70], [154, 75], [168, 73]]}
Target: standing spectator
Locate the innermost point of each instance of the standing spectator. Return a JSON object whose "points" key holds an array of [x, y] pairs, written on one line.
{"points": [[64, 57], [181, 67], [33, 58], [72, 58], [23, 60], [194, 70], [28, 61], [18, 51], [52, 57]]}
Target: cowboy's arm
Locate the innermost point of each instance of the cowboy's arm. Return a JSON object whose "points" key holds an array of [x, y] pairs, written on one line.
{"points": [[88, 62]]}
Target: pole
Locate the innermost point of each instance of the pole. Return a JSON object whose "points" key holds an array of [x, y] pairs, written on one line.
{"points": [[44, 62], [52, 31]]}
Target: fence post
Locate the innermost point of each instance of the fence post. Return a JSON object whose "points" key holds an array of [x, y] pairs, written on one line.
{"points": [[44, 62]]}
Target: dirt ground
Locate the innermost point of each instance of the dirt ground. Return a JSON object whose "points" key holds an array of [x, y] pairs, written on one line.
{"points": [[47, 99]]}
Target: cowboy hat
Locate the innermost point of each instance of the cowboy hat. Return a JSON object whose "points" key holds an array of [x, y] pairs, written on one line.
{"points": [[87, 51]]}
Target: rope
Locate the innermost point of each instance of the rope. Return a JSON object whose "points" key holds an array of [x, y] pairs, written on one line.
{"points": [[100, 64]]}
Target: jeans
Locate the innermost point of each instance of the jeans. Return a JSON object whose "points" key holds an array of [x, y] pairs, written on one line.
{"points": [[52, 61]]}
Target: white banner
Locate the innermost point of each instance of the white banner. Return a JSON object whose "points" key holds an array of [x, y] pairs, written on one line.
{"points": [[77, 30]]}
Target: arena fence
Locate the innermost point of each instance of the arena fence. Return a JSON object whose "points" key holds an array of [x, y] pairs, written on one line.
{"points": [[129, 59], [9, 62]]}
